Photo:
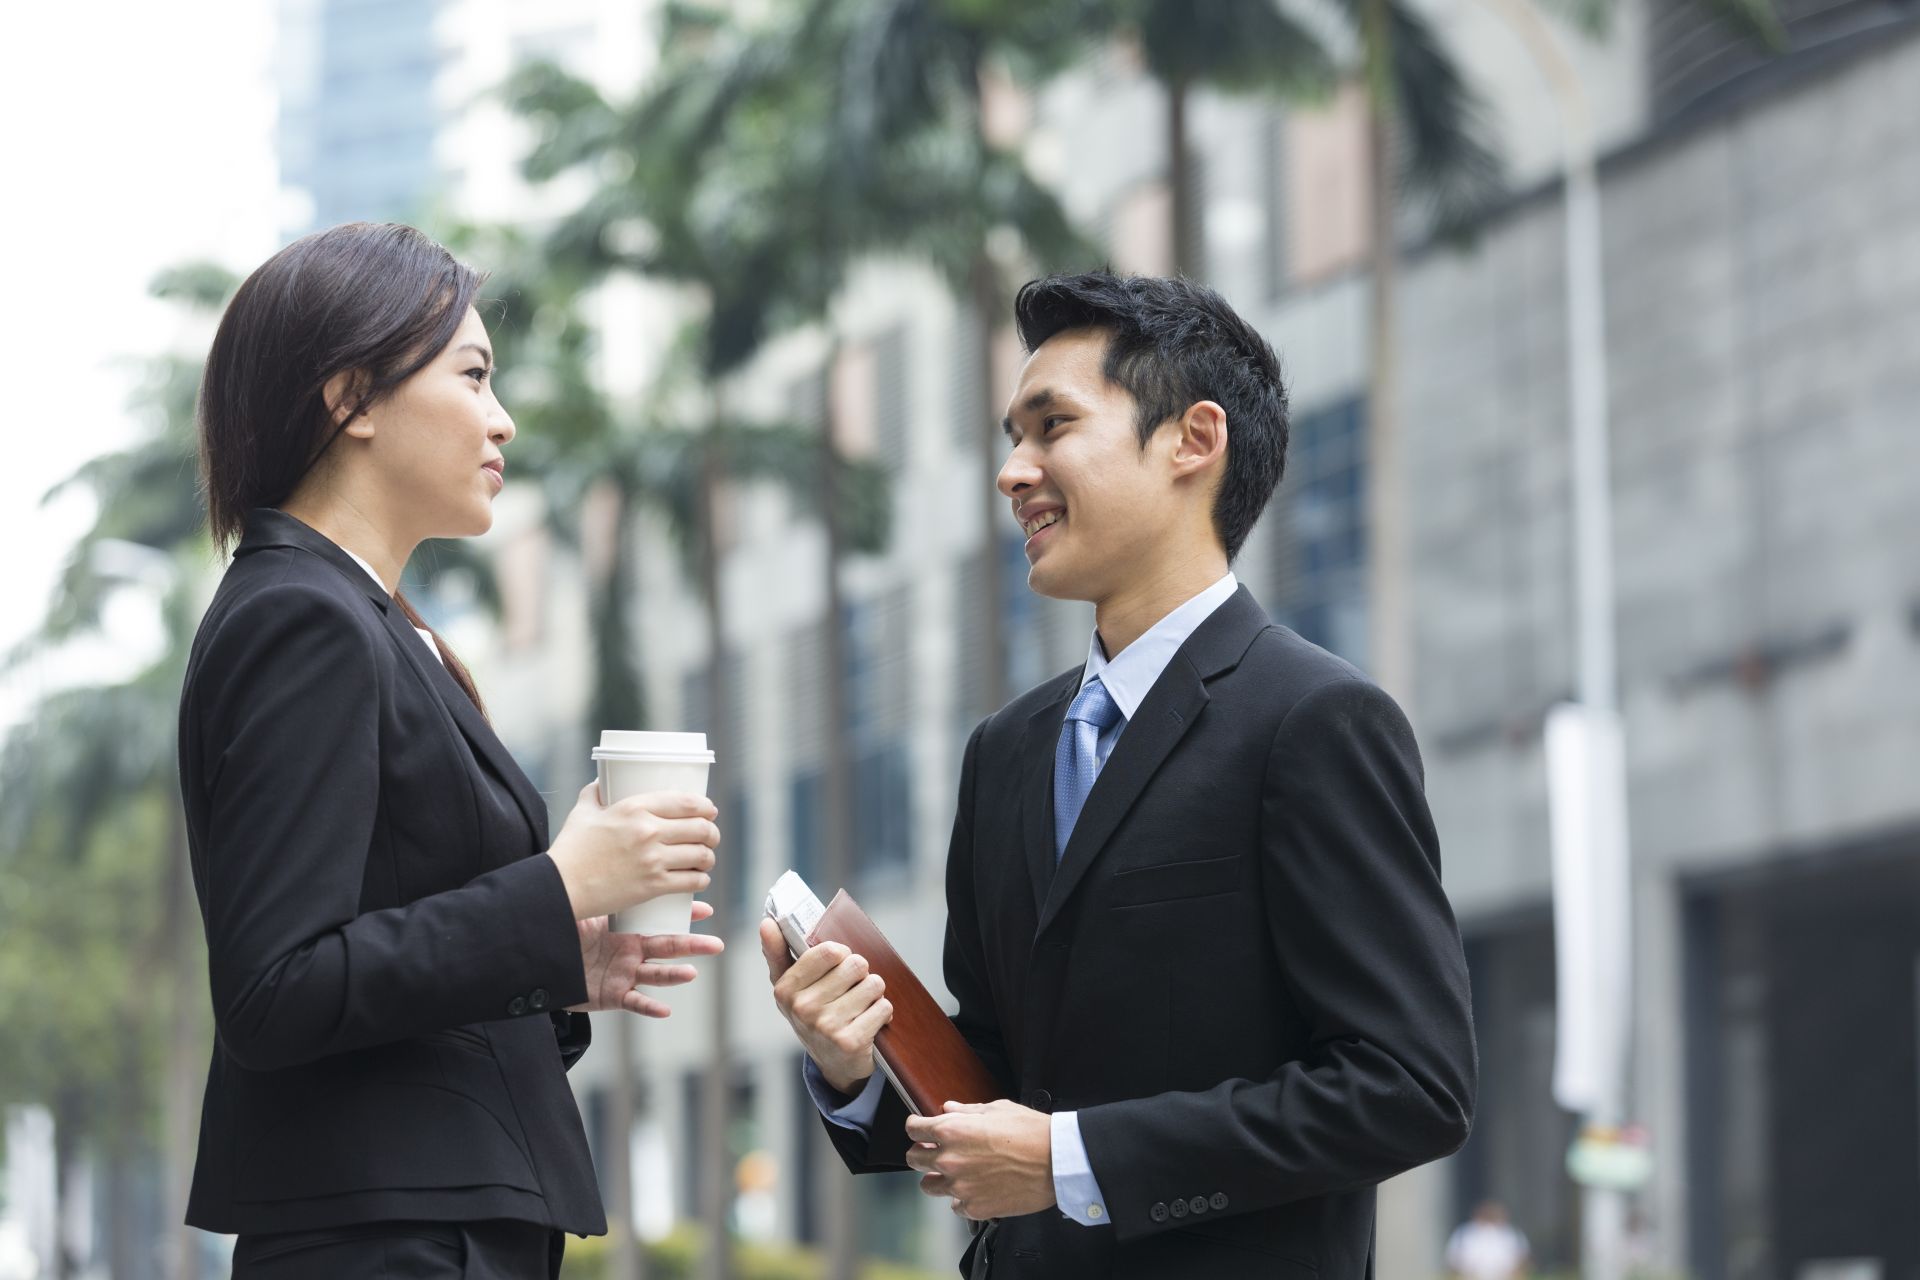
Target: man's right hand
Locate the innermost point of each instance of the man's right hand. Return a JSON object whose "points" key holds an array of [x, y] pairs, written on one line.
{"points": [[833, 1004]]}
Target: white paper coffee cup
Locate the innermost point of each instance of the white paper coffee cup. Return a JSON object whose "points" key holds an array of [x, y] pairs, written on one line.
{"points": [[634, 762]]}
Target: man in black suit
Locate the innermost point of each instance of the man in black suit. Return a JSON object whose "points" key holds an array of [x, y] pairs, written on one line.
{"points": [[1195, 922]]}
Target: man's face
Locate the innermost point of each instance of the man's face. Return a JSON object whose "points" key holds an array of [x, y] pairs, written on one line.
{"points": [[1095, 506]]}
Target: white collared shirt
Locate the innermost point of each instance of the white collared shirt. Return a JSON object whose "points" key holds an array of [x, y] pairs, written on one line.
{"points": [[1132, 675], [424, 634]]}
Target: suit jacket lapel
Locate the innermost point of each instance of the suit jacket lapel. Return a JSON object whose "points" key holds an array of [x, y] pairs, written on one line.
{"points": [[1036, 798], [269, 527], [472, 724], [1176, 700]]}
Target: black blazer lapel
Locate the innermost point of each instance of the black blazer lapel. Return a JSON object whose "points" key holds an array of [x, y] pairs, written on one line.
{"points": [[270, 527], [1036, 796], [485, 742], [1176, 700]]}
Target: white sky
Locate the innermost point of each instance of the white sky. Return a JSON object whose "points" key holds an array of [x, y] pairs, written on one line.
{"points": [[133, 136]]}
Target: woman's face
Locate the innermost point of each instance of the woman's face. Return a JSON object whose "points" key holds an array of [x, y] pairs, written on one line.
{"points": [[435, 443]]}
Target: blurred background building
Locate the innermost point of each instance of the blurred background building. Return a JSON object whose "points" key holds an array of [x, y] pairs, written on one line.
{"points": [[1762, 275]]}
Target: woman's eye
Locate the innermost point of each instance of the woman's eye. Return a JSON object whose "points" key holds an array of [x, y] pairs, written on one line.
{"points": [[479, 375]]}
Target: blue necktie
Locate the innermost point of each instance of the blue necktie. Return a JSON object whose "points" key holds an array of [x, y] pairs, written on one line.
{"points": [[1075, 759]]}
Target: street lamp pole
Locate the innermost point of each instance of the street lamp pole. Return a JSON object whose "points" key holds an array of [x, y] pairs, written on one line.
{"points": [[1604, 1209]]}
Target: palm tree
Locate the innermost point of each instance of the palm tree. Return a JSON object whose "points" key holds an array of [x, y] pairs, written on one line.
{"points": [[99, 758], [575, 442], [912, 78]]}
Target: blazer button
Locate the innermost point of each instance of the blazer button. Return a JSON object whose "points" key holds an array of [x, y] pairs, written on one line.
{"points": [[1159, 1211], [1198, 1204], [1178, 1208], [1219, 1200], [538, 1000], [1040, 1100], [516, 1006]]}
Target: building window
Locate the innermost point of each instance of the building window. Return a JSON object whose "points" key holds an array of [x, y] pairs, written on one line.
{"points": [[1319, 523]]}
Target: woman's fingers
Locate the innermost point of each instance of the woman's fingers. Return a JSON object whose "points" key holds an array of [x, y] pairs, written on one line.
{"points": [[644, 1005], [689, 831], [687, 857], [666, 975], [673, 946]]}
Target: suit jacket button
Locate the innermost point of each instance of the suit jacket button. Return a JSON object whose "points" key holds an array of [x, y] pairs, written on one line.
{"points": [[537, 1001], [516, 1006], [1159, 1211], [1219, 1200], [1198, 1204], [1178, 1208], [1041, 1100]]}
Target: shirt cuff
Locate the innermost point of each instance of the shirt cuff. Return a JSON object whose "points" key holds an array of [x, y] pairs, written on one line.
{"points": [[858, 1113], [1074, 1187]]}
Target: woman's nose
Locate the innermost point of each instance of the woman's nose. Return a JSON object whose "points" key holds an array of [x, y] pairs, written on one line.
{"points": [[502, 429]]}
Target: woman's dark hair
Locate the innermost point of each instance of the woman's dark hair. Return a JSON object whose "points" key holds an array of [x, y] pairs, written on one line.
{"points": [[374, 301], [1170, 344]]}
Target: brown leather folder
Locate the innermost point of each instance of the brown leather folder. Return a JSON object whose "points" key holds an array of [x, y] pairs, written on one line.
{"points": [[925, 1056]]}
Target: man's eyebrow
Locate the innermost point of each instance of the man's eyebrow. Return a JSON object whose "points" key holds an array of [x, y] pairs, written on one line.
{"points": [[474, 346], [1044, 398]]}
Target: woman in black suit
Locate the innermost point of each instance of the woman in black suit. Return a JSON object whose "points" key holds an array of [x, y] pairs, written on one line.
{"points": [[400, 961]]}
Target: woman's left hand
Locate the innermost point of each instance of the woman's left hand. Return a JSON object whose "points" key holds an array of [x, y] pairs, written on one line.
{"points": [[619, 964]]}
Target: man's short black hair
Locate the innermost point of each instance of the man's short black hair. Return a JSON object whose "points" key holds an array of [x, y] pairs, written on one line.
{"points": [[1171, 344]]}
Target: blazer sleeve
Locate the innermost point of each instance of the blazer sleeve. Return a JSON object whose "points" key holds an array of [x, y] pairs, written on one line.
{"points": [[1366, 941], [964, 963], [288, 695]]}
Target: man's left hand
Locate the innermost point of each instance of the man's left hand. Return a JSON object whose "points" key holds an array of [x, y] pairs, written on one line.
{"points": [[993, 1159]]}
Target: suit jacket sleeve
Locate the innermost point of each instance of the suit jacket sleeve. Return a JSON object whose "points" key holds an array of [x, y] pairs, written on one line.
{"points": [[884, 1146], [289, 700], [1367, 944]]}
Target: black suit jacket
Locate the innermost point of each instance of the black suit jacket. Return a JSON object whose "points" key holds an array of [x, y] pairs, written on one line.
{"points": [[1243, 975], [387, 948]]}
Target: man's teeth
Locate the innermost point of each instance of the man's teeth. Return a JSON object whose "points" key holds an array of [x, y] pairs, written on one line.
{"points": [[1038, 523]]}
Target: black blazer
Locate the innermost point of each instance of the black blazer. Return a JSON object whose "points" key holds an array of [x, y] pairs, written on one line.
{"points": [[1243, 975], [386, 951]]}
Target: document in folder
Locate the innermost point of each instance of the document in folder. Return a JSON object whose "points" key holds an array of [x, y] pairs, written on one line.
{"points": [[925, 1057]]}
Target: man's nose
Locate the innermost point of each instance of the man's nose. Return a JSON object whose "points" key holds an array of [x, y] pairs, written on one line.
{"points": [[1018, 473]]}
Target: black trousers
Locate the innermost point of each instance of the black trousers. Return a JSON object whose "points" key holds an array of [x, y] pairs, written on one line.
{"points": [[403, 1251]]}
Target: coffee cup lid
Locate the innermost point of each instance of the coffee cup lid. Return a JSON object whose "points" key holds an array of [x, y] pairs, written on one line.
{"points": [[655, 757], [652, 742]]}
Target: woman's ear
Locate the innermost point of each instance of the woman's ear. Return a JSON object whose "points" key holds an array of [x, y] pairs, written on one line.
{"points": [[1201, 439], [343, 394]]}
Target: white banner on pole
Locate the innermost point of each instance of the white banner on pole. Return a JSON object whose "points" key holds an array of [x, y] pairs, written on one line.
{"points": [[1592, 925]]}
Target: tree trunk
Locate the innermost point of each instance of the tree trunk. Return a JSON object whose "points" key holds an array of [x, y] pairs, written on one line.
{"points": [[626, 1260], [837, 834], [716, 1191], [1184, 227], [1390, 635], [990, 602], [69, 1118], [186, 1054]]}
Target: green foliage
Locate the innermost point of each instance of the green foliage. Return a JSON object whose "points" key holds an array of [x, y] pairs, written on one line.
{"points": [[678, 1258]]}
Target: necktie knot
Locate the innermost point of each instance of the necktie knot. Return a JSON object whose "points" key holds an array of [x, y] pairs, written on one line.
{"points": [[1095, 706]]}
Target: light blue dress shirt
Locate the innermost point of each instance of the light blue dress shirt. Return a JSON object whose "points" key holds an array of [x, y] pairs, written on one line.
{"points": [[1128, 677]]}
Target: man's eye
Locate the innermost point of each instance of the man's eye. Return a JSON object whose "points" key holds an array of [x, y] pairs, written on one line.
{"points": [[1047, 424]]}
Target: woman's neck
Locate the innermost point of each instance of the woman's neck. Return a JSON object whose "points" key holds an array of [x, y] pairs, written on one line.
{"points": [[345, 525]]}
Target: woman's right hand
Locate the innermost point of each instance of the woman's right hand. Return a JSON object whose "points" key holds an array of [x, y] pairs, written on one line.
{"points": [[615, 856]]}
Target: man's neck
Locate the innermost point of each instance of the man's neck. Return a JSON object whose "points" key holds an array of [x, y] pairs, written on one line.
{"points": [[1130, 613], [347, 525]]}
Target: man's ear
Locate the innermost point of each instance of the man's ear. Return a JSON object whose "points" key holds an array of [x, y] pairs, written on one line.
{"points": [[342, 395], [1201, 439]]}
